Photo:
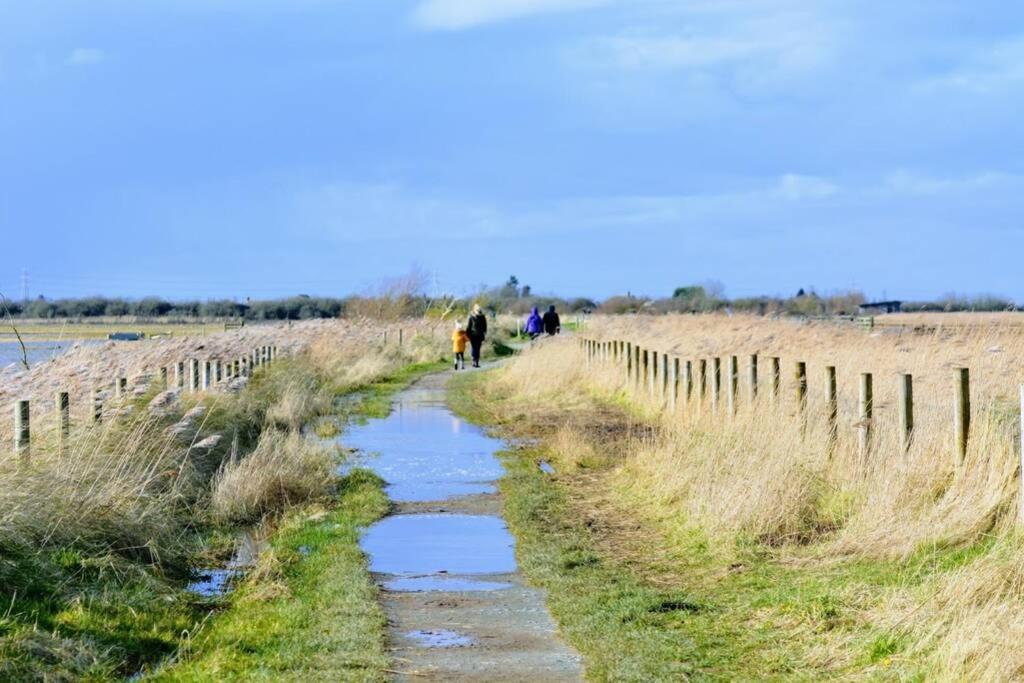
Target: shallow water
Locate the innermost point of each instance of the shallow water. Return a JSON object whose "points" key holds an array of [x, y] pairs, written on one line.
{"points": [[426, 453], [457, 607], [214, 581], [10, 351], [439, 638], [448, 584], [440, 543]]}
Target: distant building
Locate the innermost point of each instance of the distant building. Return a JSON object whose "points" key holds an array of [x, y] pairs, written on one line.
{"points": [[880, 307]]}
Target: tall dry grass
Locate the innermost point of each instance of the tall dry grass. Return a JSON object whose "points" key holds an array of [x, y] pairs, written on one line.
{"points": [[285, 468], [125, 486], [759, 475]]}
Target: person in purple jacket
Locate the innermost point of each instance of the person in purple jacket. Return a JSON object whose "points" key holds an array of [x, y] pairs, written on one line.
{"points": [[534, 324]]}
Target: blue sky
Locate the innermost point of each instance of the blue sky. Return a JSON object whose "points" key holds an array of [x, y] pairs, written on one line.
{"points": [[207, 148]]}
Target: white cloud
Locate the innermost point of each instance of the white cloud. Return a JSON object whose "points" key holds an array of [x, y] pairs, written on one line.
{"points": [[994, 68], [746, 47], [369, 212], [85, 56], [462, 14], [910, 183], [796, 187]]}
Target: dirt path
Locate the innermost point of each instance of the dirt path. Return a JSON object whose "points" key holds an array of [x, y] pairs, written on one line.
{"points": [[458, 608]]}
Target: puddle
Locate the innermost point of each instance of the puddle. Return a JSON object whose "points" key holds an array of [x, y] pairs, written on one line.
{"points": [[440, 638], [449, 568], [441, 584], [546, 467], [440, 543], [212, 582], [425, 452]]}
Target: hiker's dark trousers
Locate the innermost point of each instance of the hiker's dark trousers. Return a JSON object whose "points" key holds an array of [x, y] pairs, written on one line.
{"points": [[475, 343]]}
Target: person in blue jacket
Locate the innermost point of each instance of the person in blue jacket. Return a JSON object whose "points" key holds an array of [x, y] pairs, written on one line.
{"points": [[534, 324]]}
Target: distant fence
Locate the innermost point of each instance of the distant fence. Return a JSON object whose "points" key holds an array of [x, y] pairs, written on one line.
{"points": [[203, 375], [687, 384]]}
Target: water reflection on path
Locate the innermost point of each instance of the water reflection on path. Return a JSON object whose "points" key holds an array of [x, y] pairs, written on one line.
{"points": [[457, 606]]}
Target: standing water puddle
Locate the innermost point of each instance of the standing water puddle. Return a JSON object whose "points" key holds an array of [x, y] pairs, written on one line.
{"points": [[426, 453], [212, 582], [457, 605], [408, 545]]}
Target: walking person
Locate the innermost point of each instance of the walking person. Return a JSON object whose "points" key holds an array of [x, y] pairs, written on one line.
{"points": [[552, 323], [459, 339], [476, 330], [534, 324]]}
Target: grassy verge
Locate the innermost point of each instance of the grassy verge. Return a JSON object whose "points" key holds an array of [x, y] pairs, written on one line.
{"points": [[309, 612], [96, 547], [647, 598]]}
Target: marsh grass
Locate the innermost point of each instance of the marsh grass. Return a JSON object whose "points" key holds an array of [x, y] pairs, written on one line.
{"points": [[891, 566], [97, 543]]}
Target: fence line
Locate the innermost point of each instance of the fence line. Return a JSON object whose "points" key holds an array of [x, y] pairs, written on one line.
{"points": [[214, 371], [686, 386]]}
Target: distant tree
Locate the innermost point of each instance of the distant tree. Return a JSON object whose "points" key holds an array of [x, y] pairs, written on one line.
{"points": [[525, 291], [800, 292]]}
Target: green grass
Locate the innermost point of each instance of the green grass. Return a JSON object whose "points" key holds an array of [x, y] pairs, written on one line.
{"points": [[72, 613], [322, 620], [312, 615], [374, 400], [749, 613]]}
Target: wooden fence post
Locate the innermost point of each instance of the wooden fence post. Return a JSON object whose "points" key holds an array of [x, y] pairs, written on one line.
{"points": [[775, 369], [163, 377], [716, 382], [663, 383], [652, 376], [801, 393], [645, 361], [752, 378], [97, 406], [673, 385], [22, 431], [831, 407], [62, 404], [687, 385], [731, 384], [961, 413], [702, 382], [867, 410], [906, 406]]}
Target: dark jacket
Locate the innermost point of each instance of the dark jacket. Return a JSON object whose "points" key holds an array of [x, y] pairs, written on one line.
{"points": [[552, 324], [476, 326]]}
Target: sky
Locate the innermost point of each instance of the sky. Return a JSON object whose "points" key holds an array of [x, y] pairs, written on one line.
{"points": [[261, 148]]}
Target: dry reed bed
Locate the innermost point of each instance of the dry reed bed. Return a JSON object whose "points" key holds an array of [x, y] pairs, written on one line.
{"points": [[126, 485], [758, 475], [86, 367]]}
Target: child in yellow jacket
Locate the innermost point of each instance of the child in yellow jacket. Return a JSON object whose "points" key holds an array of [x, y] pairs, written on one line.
{"points": [[459, 341]]}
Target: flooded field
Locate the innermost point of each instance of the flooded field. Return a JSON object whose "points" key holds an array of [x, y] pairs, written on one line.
{"points": [[37, 351]]}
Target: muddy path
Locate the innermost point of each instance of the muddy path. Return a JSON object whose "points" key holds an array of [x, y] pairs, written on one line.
{"points": [[457, 605]]}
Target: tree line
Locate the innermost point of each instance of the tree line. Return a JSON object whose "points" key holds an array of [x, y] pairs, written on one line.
{"points": [[405, 298]]}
